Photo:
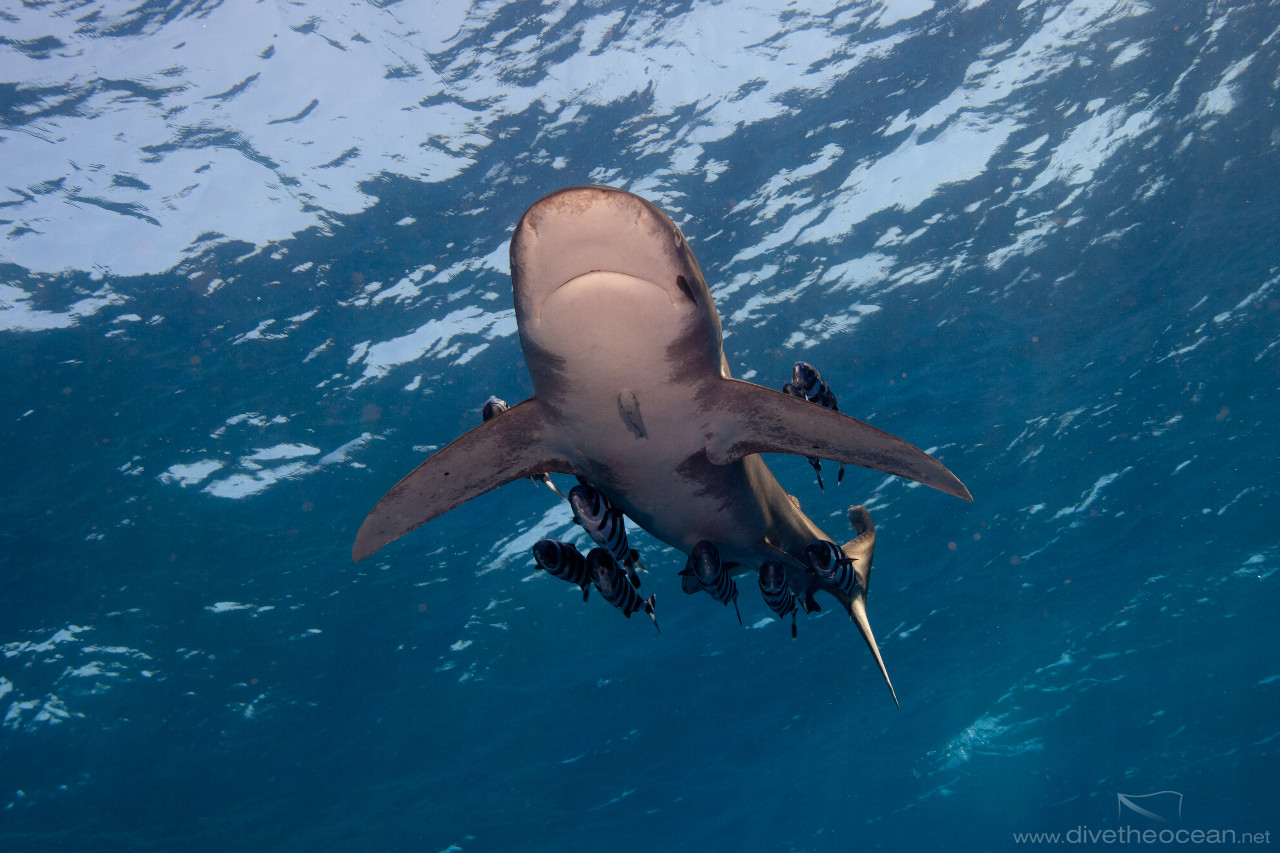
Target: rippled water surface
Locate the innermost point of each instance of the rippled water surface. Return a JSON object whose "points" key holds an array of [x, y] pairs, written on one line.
{"points": [[254, 269]]}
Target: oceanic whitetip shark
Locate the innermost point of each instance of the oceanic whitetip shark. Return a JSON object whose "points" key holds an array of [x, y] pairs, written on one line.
{"points": [[632, 394]]}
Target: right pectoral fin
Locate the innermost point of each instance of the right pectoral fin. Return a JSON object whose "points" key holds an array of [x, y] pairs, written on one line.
{"points": [[752, 419], [504, 448]]}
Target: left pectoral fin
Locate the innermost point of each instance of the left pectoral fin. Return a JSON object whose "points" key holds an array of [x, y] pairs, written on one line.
{"points": [[748, 419], [504, 448]]}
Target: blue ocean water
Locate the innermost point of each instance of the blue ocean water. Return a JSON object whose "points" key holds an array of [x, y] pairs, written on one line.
{"points": [[254, 269]]}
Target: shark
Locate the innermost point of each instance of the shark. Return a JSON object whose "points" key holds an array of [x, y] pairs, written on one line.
{"points": [[632, 393]]}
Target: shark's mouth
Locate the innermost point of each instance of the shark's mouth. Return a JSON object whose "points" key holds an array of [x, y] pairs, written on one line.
{"points": [[598, 295], [603, 287]]}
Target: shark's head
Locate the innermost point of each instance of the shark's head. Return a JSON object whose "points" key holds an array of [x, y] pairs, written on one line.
{"points": [[599, 270]]}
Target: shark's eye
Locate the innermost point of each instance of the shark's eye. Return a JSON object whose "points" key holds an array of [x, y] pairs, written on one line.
{"points": [[683, 284]]}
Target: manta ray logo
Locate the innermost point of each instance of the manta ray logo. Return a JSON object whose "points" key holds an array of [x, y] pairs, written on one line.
{"points": [[1160, 806]]}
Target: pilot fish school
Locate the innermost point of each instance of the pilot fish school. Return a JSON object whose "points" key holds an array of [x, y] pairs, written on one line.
{"points": [[632, 396]]}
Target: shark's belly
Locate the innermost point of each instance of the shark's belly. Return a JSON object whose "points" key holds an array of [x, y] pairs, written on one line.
{"points": [[630, 385], [660, 476]]}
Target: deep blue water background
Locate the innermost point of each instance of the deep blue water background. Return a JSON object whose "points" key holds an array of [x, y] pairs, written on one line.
{"points": [[1084, 330]]}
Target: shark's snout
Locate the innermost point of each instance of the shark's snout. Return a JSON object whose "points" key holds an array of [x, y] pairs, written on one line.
{"points": [[579, 231]]}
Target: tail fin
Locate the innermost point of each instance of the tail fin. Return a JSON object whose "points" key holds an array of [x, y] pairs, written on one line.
{"points": [[858, 612], [649, 608], [861, 549]]}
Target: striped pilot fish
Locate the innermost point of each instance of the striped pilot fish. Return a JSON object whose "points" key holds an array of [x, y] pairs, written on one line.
{"points": [[704, 570], [616, 587], [562, 560], [604, 524], [777, 594], [808, 384], [495, 406], [833, 566], [792, 391]]}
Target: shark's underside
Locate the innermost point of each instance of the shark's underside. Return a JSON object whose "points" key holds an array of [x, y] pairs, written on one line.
{"points": [[632, 394]]}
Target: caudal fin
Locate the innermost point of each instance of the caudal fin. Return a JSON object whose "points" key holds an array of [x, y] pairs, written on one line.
{"points": [[649, 608], [858, 612], [861, 549]]}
